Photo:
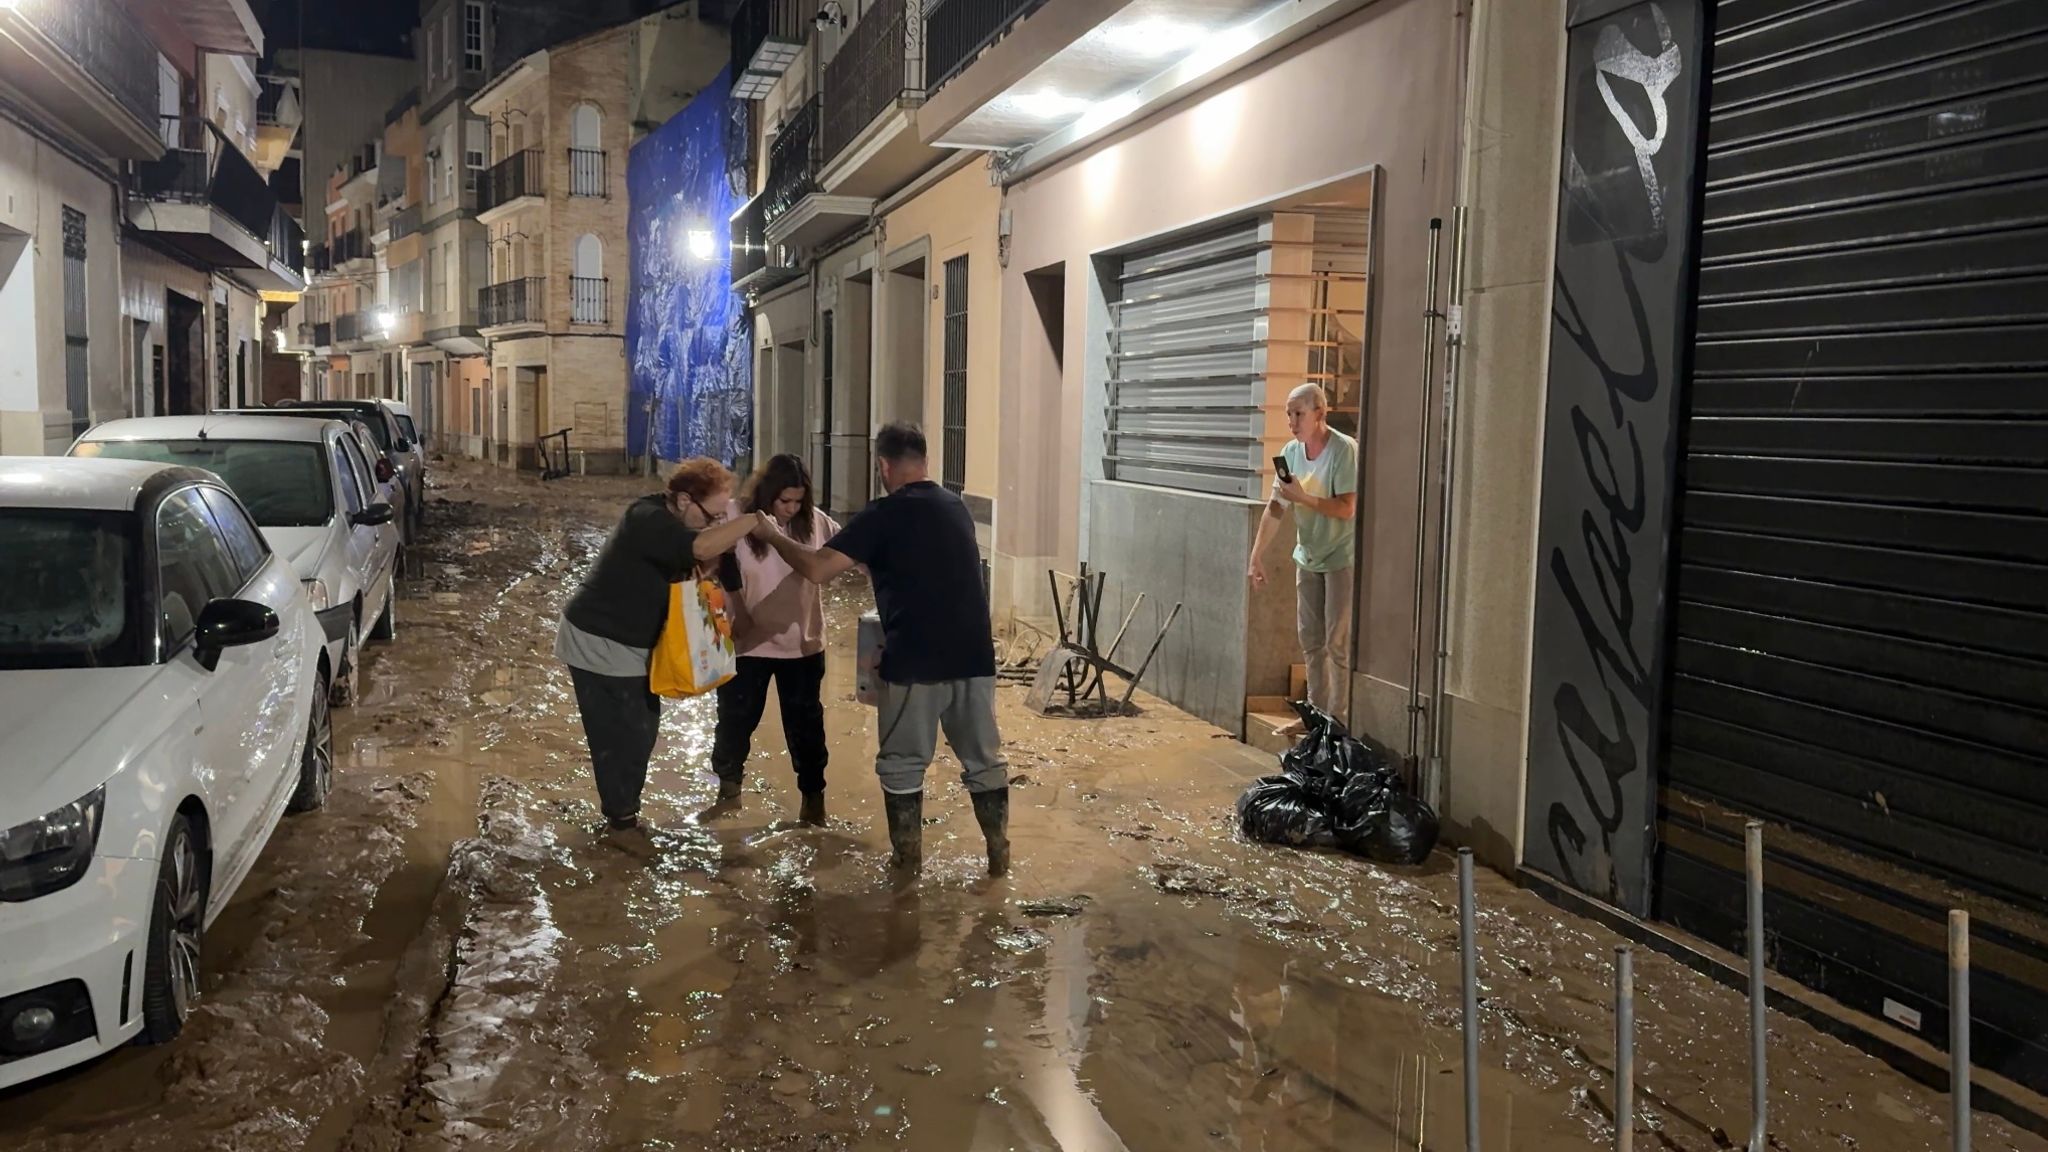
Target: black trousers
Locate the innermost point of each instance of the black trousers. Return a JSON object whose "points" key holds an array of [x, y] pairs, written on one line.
{"points": [[742, 699], [621, 721]]}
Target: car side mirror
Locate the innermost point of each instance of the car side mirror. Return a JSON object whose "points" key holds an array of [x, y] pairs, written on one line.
{"points": [[385, 471], [374, 515], [402, 446], [228, 623]]}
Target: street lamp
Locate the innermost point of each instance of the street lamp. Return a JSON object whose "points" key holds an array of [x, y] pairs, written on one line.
{"points": [[702, 245], [387, 321]]}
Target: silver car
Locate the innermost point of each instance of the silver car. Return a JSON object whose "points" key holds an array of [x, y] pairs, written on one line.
{"points": [[314, 493]]}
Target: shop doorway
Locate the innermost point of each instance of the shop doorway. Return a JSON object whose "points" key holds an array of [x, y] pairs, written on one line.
{"points": [[184, 321], [848, 423], [905, 295]]}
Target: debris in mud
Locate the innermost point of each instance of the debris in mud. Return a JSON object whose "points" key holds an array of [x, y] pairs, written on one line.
{"points": [[1338, 790], [1186, 878], [1143, 832], [1020, 940], [921, 1070], [1073, 906]]}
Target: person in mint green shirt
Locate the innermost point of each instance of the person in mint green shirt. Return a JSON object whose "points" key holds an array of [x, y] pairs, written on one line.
{"points": [[1322, 464]]}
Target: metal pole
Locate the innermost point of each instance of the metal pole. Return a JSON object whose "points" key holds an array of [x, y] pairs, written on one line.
{"points": [[1468, 955], [1429, 319], [1624, 1049], [1959, 1027], [1454, 341], [1759, 1095]]}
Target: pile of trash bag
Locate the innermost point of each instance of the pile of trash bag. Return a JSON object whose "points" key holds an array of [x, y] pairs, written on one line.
{"points": [[1336, 790]]}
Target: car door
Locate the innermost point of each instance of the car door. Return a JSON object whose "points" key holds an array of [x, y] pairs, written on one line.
{"points": [[195, 568], [360, 539], [280, 720], [382, 539]]}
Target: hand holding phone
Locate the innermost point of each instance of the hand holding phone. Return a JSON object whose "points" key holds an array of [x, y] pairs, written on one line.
{"points": [[1280, 469]]}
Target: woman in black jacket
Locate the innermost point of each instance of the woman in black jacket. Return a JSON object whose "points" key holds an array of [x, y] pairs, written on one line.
{"points": [[610, 626]]}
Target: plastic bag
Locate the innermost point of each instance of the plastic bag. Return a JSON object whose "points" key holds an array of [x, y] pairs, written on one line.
{"points": [[1274, 810], [1397, 828], [695, 652], [1342, 790]]}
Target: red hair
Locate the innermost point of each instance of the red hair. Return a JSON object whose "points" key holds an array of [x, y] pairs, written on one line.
{"points": [[699, 477]]}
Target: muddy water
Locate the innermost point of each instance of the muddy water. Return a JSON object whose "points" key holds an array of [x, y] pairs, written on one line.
{"points": [[454, 955]]}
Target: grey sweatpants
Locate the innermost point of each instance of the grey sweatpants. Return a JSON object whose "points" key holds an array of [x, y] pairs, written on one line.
{"points": [[1322, 602], [911, 716]]}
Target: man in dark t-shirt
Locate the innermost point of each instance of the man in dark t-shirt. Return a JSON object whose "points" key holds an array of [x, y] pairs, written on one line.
{"points": [[938, 654]]}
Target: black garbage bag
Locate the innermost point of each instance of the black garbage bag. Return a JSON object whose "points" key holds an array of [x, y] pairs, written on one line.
{"points": [[1275, 810], [1395, 828]]}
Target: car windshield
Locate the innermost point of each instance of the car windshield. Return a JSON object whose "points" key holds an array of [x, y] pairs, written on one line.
{"points": [[70, 580], [282, 484], [380, 429]]}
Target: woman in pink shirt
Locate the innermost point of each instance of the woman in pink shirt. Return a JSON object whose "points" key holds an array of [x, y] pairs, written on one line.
{"points": [[779, 629]]}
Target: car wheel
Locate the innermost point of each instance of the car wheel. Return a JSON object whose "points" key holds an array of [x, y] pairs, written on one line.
{"points": [[386, 628], [343, 693], [177, 923], [316, 764]]}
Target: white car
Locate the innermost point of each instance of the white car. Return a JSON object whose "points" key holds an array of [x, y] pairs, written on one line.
{"points": [[161, 706], [311, 487]]}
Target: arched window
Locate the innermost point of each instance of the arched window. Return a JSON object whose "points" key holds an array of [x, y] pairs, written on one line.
{"points": [[586, 151], [587, 284]]}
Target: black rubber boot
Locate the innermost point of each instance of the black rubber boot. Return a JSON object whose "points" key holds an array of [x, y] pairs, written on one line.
{"points": [[906, 830], [729, 788], [992, 812], [813, 810]]}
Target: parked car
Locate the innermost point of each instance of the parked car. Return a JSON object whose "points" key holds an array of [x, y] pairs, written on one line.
{"points": [[310, 487], [395, 438], [385, 474], [403, 414], [162, 706]]}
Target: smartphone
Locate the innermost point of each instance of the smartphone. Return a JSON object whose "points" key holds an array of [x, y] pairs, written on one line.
{"points": [[1280, 470]]}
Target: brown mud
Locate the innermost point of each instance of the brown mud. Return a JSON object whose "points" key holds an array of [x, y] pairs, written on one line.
{"points": [[454, 955]]}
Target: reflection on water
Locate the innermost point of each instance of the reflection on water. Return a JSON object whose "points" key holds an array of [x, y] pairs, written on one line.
{"points": [[456, 954]]}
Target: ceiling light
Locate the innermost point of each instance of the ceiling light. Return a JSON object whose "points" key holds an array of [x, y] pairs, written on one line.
{"points": [[1047, 105], [1153, 37]]}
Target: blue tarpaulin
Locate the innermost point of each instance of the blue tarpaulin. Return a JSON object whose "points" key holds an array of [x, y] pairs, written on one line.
{"points": [[688, 338]]}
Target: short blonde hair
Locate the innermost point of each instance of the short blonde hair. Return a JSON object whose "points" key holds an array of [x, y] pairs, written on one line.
{"points": [[1313, 393]]}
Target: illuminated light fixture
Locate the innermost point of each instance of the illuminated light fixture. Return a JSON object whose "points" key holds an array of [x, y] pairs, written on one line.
{"points": [[1047, 105], [1107, 112], [387, 320], [702, 244], [279, 334], [1153, 37]]}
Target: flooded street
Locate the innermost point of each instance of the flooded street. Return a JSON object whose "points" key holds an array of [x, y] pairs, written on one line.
{"points": [[452, 954]]}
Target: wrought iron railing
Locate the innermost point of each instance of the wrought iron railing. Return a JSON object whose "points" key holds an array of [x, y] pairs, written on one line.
{"points": [[350, 245], [751, 253], [319, 259], [520, 174], [881, 62], [589, 300], [105, 43], [287, 241], [323, 334], [348, 328], [587, 172], [202, 166], [955, 32], [513, 302], [793, 162]]}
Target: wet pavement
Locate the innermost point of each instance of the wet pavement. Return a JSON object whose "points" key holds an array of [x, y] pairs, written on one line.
{"points": [[453, 954]]}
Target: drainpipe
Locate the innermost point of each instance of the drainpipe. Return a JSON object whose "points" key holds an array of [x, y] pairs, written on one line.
{"points": [[1454, 343], [1429, 318]]}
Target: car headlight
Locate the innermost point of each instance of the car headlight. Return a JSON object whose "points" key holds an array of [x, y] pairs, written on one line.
{"points": [[50, 854], [316, 591]]}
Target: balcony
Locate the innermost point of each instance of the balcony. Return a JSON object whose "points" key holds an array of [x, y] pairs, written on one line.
{"points": [[956, 31], [587, 172], [89, 64], [757, 265], [352, 247], [323, 334], [767, 37], [348, 328], [872, 90], [203, 198], [513, 305], [518, 177], [398, 326], [405, 222], [319, 260], [589, 300], [1040, 79], [796, 210]]}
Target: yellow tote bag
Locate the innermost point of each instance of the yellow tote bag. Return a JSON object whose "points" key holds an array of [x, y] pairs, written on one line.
{"points": [[695, 653]]}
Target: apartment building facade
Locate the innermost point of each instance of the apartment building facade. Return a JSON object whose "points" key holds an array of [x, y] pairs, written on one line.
{"points": [[137, 234]]}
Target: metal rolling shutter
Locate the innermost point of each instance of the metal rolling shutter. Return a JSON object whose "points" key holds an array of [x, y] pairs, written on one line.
{"points": [[1861, 644], [1188, 362]]}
